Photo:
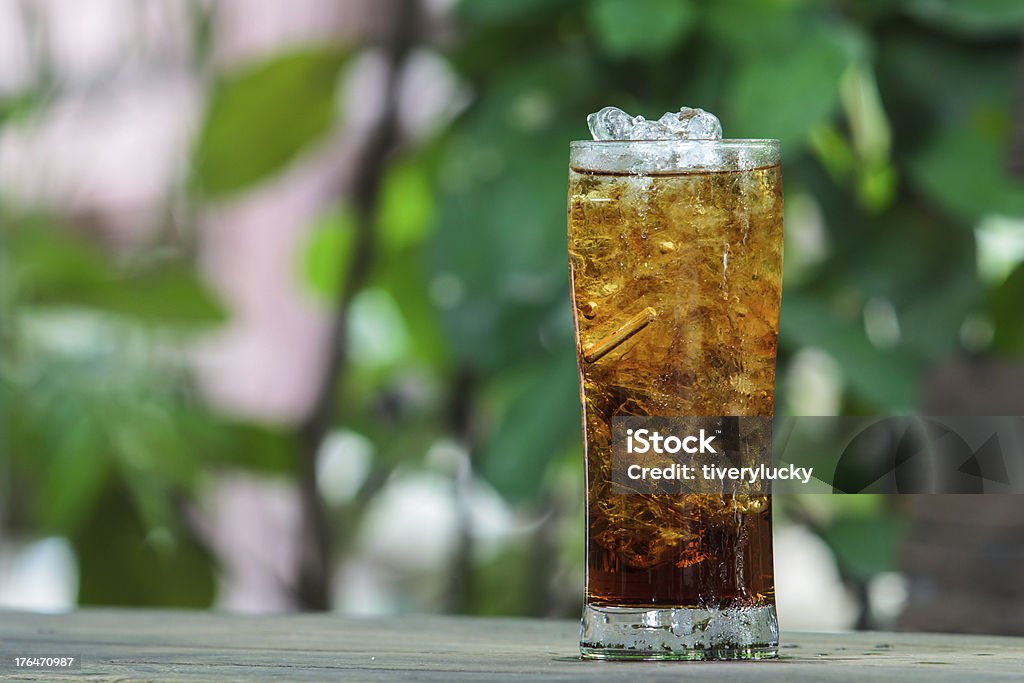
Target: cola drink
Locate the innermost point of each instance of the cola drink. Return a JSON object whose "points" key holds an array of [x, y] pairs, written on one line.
{"points": [[675, 257]]}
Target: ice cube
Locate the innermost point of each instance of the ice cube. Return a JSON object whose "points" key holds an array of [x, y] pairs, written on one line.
{"points": [[611, 123], [650, 130], [692, 124]]}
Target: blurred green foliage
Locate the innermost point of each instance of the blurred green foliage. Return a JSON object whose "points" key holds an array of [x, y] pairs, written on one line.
{"points": [[262, 117], [895, 120]]}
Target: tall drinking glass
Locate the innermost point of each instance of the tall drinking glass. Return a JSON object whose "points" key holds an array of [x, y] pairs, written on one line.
{"points": [[675, 257]]}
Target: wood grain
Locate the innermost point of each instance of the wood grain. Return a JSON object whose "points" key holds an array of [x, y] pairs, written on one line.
{"points": [[149, 645]]}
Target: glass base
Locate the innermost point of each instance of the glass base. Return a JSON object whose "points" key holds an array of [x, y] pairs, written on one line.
{"points": [[688, 633]]}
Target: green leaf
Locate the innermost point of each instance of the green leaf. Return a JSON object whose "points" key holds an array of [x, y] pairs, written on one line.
{"points": [[168, 295], [47, 261], [505, 583], [640, 28], [151, 445], [74, 475], [834, 152], [972, 17], [1005, 307], [498, 11], [965, 168], [952, 132], [896, 255], [866, 546], [254, 446], [83, 419], [748, 28], [406, 205], [887, 378], [324, 256], [931, 326], [911, 62], [541, 419], [787, 95], [261, 118], [123, 563], [52, 266], [18, 107], [403, 276]]}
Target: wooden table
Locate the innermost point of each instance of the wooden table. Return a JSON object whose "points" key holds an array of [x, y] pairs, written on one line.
{"points": [[130, 645]]}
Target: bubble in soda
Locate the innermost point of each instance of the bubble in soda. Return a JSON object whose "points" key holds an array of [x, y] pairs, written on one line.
{"points": [[611, 123]]}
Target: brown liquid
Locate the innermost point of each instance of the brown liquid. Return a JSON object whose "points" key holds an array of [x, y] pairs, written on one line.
{"points": [[676, 286]]}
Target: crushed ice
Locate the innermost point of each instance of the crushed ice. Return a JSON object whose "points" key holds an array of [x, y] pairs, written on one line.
{"points": [[611, 123]]}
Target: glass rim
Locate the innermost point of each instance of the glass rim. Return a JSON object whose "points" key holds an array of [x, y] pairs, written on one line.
{"points": [[646, 157], [725, 142]]}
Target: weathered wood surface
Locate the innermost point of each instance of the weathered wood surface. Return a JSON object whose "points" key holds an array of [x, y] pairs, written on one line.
{"points": [[133, 645]]}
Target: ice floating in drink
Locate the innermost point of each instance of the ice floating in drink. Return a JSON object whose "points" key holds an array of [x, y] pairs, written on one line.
{"points": [[611, 123]]}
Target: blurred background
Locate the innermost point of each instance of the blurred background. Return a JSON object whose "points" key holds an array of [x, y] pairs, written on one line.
{"points": [[284, 300]]}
